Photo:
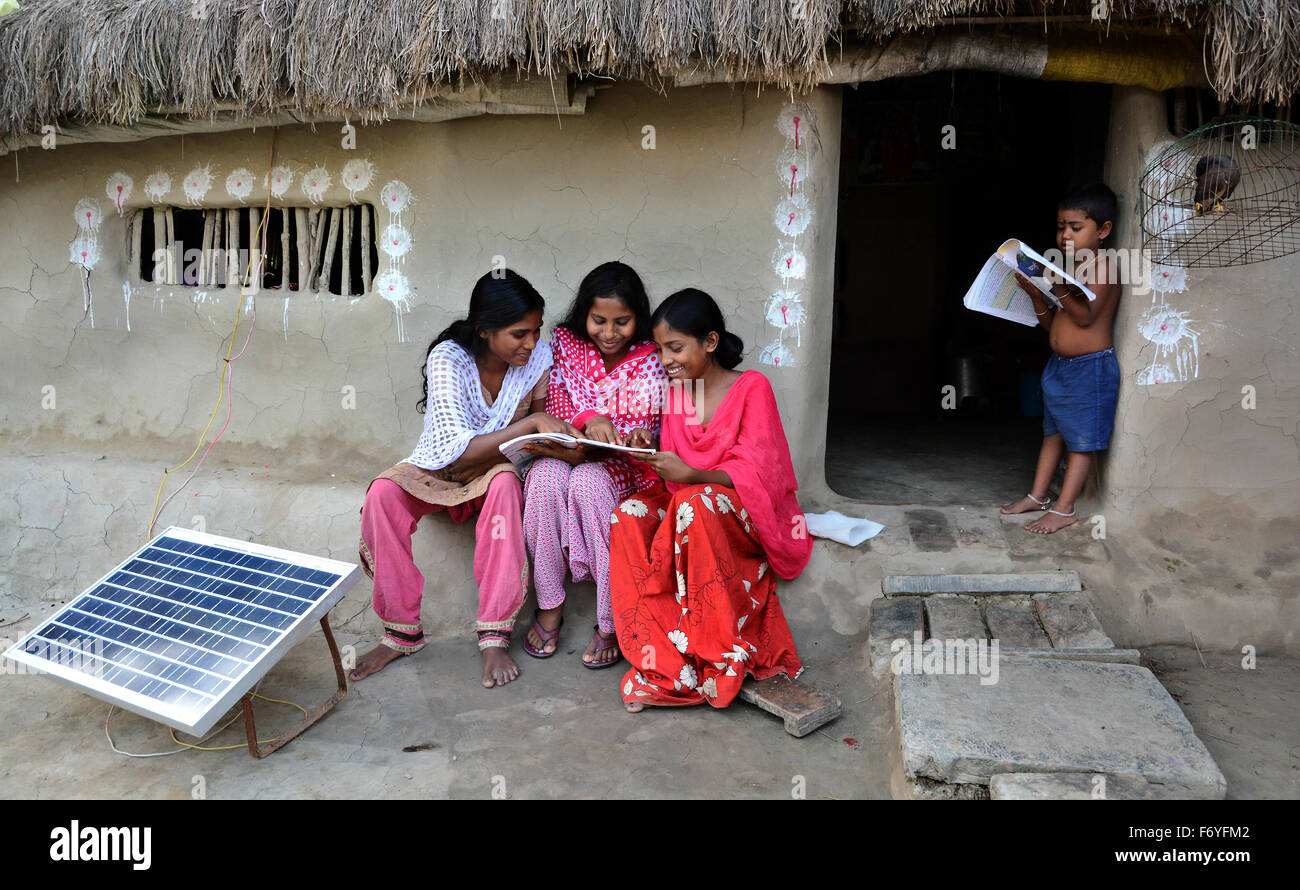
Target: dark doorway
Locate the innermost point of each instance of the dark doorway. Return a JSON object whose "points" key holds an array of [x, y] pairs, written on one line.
{"points": [[916, 222]]}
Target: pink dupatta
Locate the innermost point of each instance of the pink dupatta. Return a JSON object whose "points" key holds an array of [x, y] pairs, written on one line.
{"points": [[745, 439]]}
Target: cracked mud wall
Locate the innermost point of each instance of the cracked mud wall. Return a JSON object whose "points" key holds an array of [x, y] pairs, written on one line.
{"points": [[553, 200], [1200, 491]]}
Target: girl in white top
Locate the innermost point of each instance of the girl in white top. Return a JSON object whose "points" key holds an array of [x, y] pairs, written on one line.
{"points": [[485, 383]]}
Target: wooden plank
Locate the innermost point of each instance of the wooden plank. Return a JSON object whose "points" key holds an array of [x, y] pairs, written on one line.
{"points": [[365, 248], [302, 235], [345, 273], [804, 708], [331, 242]]}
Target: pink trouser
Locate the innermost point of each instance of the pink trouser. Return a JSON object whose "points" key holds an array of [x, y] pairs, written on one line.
{"points": [[388, 520], [566, 525]]}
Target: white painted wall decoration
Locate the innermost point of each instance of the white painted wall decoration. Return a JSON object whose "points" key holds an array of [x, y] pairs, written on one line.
{"points": [[239, 184], [396, 197], [197, 183], [279, 181], [1177, 357], [157, 185], [87, 215], [358, 173], [83, 252], [118, 188], [315, 182], [395, 242], [1168, 279], [789, 263], [792, 217]]}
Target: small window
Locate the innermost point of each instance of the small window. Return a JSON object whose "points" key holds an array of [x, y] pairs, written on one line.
{"points": [[317, 249]]}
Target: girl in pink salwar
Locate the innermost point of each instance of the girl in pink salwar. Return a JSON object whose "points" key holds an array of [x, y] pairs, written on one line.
{"points": [[485, 383], [607, 380]]}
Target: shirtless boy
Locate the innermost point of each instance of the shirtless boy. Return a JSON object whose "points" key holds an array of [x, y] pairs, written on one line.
{"points": [[1081, 380]]}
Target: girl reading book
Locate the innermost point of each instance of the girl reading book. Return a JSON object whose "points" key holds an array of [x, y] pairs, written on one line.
{"points": [[608, 381], [693, 559], [485, 382]]}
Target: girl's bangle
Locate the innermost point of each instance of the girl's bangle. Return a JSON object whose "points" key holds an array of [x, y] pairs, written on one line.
{"points": [[1045, 312]]}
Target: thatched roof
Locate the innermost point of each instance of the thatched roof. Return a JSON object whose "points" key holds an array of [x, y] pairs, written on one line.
{"points": [[117, 61]]}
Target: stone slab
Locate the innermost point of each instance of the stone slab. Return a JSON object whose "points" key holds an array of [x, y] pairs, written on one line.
{"points": [[1114, 656], [803, 707], [992, 582], [1013, 622], [892, 618], [1082, 786], [954, 617], [1070, 621], [1050, 715]]}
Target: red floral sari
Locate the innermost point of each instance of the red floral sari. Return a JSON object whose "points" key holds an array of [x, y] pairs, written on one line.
{"points": [[692, 568]]}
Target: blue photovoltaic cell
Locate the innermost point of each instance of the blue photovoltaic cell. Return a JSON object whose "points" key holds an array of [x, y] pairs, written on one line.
{"points": [[180, 621]]}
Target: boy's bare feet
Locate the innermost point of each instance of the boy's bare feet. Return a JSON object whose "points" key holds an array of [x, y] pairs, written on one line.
{"points": [[1051, 521], [1027, 504], [498, 667], [373, 662]]}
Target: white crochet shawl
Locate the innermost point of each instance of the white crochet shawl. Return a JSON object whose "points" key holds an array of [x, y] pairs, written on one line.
{"points": [[456, 411]]}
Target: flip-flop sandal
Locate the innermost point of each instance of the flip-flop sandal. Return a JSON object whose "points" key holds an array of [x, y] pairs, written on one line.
{"points": [[546, 635], [598, 640]]}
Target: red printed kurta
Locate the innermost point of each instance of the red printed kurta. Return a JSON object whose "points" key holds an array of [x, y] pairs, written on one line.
{"points": [[692, 570], [630, 395]]}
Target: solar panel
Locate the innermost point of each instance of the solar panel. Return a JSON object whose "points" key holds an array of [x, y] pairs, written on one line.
{"points": [[187, 624]]}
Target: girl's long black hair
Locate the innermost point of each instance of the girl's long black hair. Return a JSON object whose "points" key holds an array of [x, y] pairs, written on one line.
{"points": [[497, 301], [612, 279], [694, 312]]}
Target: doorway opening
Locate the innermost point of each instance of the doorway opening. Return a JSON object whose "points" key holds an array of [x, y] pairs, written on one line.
{"points": [[921, 207]]}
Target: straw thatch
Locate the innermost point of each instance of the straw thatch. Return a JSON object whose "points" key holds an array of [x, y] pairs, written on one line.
{"points": [[118, 61]]}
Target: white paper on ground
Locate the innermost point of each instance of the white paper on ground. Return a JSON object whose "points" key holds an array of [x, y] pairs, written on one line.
{"points": [[836, 526]]}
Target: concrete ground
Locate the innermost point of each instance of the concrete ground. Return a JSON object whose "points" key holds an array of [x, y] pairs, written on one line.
{"points": [[560, 730]]}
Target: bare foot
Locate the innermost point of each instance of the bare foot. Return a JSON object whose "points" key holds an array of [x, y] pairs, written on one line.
{"points": [[498, 667], [373, 662], [608, 653], [634, 707], [1026, 504], [1051, 522]]}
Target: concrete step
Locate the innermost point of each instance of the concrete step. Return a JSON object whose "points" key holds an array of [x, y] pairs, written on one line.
{"points": [[1070, 621], [954, 617], [990, 582], [1044, 715], [1082, 786], [1013, 621]]}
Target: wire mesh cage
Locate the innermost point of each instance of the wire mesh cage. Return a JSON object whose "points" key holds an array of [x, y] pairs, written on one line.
{"points": [[1226, 194]]}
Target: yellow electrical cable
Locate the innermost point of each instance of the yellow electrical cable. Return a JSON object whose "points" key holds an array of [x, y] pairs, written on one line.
{"points": [[225, 370], [245, 745]]}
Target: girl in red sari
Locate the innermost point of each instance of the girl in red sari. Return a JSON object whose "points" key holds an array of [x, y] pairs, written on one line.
{"points": [[693, 559]]}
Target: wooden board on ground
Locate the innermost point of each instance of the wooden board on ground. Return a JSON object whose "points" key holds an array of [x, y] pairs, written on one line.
{"points": [[804, 708]]}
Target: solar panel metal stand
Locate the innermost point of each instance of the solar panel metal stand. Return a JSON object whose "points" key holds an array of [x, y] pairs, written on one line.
{"points": [[275, 744]]}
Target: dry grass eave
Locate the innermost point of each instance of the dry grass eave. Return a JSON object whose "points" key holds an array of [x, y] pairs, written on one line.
{"points": [[116, 61]]}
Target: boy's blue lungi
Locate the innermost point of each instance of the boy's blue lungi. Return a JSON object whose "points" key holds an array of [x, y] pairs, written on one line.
{"points": [[1079, 396]]}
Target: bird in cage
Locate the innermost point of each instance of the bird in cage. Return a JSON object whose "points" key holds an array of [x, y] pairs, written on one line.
{"points": [[1216, 178]]}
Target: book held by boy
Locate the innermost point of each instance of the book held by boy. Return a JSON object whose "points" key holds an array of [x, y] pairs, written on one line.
{"points": [[996, 292], [514, 449]]}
